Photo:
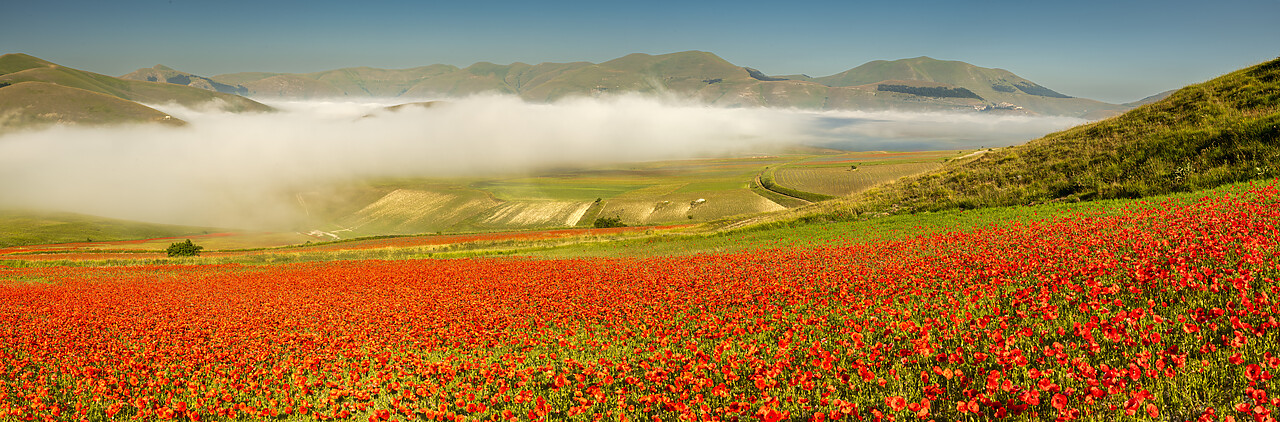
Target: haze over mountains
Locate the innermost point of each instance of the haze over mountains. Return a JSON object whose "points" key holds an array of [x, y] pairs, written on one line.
{"points": [[918, 84]]}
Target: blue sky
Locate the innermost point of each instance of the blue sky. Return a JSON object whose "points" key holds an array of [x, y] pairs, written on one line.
{"points": [[1113, 51]]}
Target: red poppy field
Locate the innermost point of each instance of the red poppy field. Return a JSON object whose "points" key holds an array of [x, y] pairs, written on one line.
{"points": [[1166, 311]]}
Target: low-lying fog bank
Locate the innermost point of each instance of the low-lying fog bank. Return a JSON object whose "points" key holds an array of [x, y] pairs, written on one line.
{"points": [[236, 170]]}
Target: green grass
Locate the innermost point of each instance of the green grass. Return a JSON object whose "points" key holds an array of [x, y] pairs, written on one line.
{"points": [[843, 181]]}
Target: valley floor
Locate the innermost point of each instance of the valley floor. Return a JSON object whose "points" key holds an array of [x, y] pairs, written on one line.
{"points": [[1125, 310]]}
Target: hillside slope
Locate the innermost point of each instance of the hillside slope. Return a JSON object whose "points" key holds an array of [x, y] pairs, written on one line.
{"points": [[1205, 135], [378, 82], [27, 104], [39, 91], [24, 68]]}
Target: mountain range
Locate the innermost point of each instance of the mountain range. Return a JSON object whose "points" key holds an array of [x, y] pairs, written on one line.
{"points": [[35, 92], [918, 84]]}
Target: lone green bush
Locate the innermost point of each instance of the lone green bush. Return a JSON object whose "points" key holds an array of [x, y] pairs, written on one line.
{"points": [[183, 249], [608, 222]]}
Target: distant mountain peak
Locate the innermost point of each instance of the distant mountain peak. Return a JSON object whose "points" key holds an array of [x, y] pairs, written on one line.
{"points": [[991, 84], [162, 73]]}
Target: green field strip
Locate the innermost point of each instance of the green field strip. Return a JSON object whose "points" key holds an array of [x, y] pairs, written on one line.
{"points": [[768, 181]]}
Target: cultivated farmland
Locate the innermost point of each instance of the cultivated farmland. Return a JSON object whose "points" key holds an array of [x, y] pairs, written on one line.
{"points": [[666, 192]]}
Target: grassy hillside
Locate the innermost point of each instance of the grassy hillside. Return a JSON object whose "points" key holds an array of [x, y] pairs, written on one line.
{"points": [[477, 78], [32, 228], [686, 72], [292, 86], [522, 76], [489, 77], [419, 82], [1222, 131], [241, 78], [24, 68], [28, 104], [10, 63], [367, 81]]}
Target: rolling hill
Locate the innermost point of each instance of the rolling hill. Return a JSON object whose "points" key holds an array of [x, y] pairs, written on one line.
{"points": [[699, 75], [36, 92], [1223, 131], [27, 104]]}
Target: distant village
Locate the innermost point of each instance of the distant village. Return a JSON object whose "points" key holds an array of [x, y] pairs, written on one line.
{"points": [[1000, 106]]}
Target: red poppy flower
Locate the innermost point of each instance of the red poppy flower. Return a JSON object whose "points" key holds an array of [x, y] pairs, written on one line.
{"points": [[896, 403], [1059, 402]]}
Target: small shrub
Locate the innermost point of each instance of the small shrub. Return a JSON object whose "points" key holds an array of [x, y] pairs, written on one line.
{"points": [[183, 249], [608, 222]]}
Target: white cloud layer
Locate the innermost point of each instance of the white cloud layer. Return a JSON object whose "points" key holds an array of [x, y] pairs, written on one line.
{"points": [[238, 170]]}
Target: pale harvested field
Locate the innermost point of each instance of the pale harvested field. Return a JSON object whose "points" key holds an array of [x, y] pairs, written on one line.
{"points": [[677, 207], [415, 211], [534, 214]]}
